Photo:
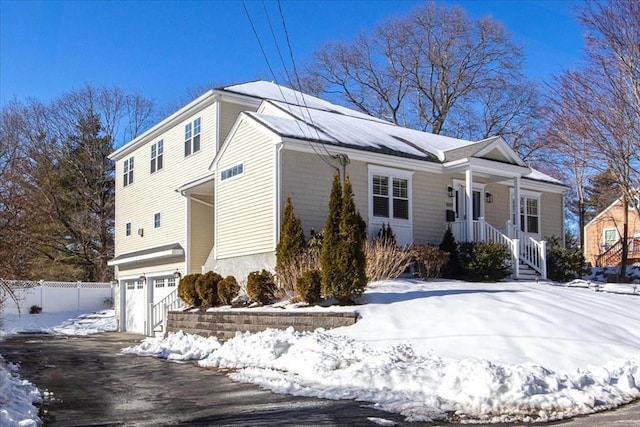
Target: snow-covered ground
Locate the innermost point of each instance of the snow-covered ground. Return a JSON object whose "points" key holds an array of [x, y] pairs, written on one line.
{"points": [[439, 350], [449, 350], [17, 395]]}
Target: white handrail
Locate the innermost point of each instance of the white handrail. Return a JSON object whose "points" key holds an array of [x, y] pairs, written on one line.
{"points": [[523, 248], [158, 312]]}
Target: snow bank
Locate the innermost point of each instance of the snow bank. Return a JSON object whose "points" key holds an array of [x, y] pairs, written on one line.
{"points": [[17, 398], [449, 351]]}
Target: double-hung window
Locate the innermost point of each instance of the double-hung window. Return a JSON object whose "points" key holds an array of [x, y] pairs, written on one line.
{"points": [[390, 189], [127, 229], [127, 177], [609, 237], [156, 220], [157, 151], [390, 197], [192, 137]]}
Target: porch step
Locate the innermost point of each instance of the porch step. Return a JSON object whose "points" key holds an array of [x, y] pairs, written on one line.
{"points": [[527, 273]]}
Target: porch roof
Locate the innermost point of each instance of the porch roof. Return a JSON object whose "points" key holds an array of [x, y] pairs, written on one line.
{"points": [[164, 251]]}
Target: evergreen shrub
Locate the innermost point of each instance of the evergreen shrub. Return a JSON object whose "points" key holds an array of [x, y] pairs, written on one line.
{"points": [[487, 262], [563, 263], [261, 287], [207, 288], [449, 245], [187, 290], [290, 246], [228, 289], [308, 286]]}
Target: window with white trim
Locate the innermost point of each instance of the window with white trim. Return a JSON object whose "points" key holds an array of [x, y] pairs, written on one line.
{"points": [[232, 171], [127, 177], [131, 284], [158, 283], [127, 229], [156, 220], [529, 212], [609, 237], [157, 151], [192, 137], [139, 284], [171, 281], [390, 204]]}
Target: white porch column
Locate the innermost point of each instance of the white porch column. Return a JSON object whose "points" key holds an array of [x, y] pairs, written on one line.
{"points": [[516, 195], [468, 176]]}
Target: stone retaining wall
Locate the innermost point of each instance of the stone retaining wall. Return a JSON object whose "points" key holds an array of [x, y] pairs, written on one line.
{"points": [[225, 324]]}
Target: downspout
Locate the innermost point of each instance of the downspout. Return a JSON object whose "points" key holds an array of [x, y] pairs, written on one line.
{"points": [[277, 184]]}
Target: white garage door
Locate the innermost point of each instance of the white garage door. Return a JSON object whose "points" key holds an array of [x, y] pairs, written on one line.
{"points": [[134, 305]]}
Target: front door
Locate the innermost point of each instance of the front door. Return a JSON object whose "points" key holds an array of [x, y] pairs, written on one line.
{"points": [[460, 204]]}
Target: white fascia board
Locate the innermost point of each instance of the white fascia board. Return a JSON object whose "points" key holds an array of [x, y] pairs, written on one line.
{"points": [[186, 187], [179, 116], [486, 166], [364, 156], [501, 145], [146, 257], [548, 187]]}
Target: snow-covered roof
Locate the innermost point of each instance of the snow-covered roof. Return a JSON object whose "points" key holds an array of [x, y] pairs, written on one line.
{"points": [[536, 175], [271, 91]]}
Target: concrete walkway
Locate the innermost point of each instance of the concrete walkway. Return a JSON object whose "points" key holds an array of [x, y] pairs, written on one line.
{"points": [[92, 384]]}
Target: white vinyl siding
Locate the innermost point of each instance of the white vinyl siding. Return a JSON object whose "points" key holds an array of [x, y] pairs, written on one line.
{"points": [[156, 193], [202, 223], [245, 207]]}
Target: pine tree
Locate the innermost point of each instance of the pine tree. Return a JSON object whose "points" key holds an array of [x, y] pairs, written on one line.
{"points": [[449, 245], [331, 240], [350, 255], [292, 240]]}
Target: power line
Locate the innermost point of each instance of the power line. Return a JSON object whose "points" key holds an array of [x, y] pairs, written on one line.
{"points": [[266, 58]]}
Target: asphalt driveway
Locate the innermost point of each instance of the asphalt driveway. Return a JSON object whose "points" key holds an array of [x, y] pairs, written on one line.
{"points": [[93, 385]]}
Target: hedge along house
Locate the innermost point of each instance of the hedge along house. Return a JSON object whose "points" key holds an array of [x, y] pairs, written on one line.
{"points": [[219, 207]]}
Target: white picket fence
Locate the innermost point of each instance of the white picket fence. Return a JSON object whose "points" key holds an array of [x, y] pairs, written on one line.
{"points": [[56, 297]]}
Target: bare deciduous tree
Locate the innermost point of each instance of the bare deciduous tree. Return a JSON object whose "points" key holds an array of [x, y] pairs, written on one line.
{"points": [[600, 103], [63, 219], [435, 70]]}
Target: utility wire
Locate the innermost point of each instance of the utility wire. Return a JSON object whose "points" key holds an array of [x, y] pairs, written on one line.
{"points": [[266, 58]]}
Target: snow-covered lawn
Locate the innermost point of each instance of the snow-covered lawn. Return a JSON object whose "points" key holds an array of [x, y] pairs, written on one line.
{"points": [[440, 350], [449, 350], [17, 395]]}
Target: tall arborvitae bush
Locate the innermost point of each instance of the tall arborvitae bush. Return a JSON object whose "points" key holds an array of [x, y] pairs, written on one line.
{"points": [[452, 269], [331, 240], [350, 255], [291, 244]]}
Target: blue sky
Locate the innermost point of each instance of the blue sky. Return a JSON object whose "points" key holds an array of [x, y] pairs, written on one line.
{"points": [[164, 48]]}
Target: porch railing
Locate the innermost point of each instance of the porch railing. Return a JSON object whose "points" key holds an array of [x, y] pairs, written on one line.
{"points": [[523, 248], [532, 252], [157, 313], [613, 255]]}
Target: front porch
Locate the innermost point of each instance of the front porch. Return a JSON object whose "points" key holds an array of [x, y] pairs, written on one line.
{"points": [[528, 255]]}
